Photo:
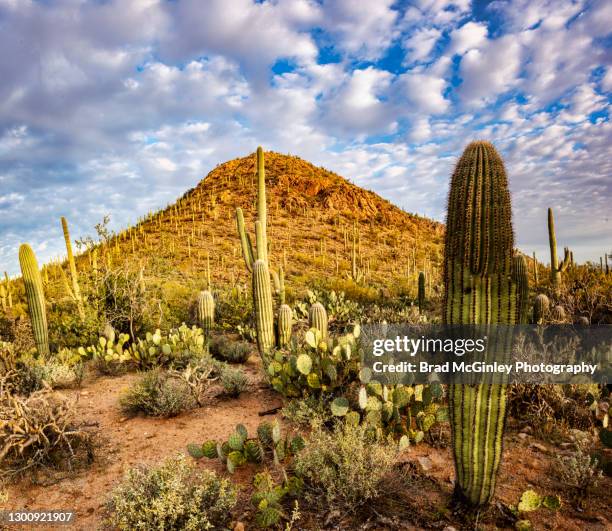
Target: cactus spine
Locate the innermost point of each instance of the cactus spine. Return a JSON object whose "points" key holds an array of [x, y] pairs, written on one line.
{"points": [[555, 268], [478, 290], [262, 291], [317, 318], [36, 298], [76, 292], [421, 293]]}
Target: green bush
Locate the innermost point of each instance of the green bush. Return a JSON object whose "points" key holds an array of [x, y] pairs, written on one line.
{"points": [[233, 380], [158, 394], [225, 349], [171, 496], [345, 467]]}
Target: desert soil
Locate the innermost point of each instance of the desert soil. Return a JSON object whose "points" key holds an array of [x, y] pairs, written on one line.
{"points": [[421, 502]]}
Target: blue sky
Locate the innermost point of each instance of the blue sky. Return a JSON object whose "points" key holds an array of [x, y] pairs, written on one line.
{"points": [[118, 107]]}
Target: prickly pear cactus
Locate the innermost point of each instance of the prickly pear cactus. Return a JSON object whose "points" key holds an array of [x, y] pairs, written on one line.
{"points": [[35, 297], [479, 289]]}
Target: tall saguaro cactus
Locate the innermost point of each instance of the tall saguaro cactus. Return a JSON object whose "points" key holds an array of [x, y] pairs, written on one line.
{"points": [[256, 261], [421, 291], [36, 298], [76, 292], [479, 289], [556, 268]]}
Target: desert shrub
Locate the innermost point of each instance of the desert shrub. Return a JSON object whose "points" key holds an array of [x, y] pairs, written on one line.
{"points": [[306, 411], [578, 471], [171, 496], [344, 467], [550, 408], [225, 349], [123, 301], [21, 372], [233, 380], [39, 430], [234, 307], [158, 393], [68, 330]]}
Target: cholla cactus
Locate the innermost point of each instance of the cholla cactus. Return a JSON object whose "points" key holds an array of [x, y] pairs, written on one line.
{"points": [[479, 289], [36, 298]]}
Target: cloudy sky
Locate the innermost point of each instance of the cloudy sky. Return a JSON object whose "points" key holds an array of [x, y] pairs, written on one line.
{"points": [[119, 106]]}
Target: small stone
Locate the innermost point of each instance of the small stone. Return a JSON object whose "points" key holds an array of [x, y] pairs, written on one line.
{"points": [[424, 463], [527, 429], [539, 447], [449, 528], [123, 419], [523, 435], [239, 526], [149, 435]]}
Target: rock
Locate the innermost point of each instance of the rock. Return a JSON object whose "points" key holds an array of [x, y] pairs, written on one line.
{"points": [[424, 463], [565, 445], [239, 526], [523, 435], [449, 528], [123, 419], [539, 447], [527, 429]]}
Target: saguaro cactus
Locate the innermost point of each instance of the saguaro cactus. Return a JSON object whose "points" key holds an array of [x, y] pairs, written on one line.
{"points": [[541, 306], [205, 310], [256, 261], [76, 292], [285, 314], [521, 277], [478, 290], [36, 298], [556, 268], [317, 318], [421, 294]]}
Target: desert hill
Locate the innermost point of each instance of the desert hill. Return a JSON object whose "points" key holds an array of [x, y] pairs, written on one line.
{"points": [[313, 217]]}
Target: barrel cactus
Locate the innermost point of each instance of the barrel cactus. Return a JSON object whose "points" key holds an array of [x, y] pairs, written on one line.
{"points": [[36, 298], [317, 318], [541, 307], [479, 289], [557, 314]]}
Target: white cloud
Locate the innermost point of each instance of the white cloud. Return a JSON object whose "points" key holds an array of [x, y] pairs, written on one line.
{"points": [[425, 92], [469, 36], [364, 28], [421, 43], [490, 70]]}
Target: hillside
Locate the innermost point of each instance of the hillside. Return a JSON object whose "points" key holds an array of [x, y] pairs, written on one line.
{"points": [[312, 214]]}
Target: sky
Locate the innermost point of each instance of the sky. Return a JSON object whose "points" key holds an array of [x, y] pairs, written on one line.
{"points": [[119, 106]]}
